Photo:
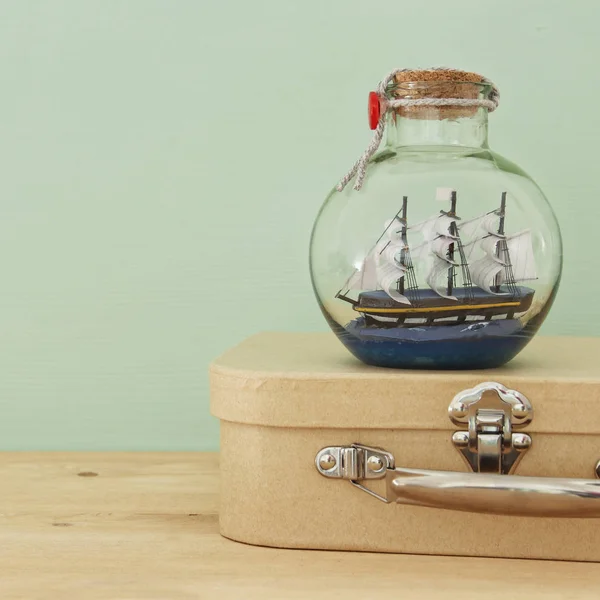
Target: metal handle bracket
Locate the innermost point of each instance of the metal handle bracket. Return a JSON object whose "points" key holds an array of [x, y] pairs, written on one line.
{"points": [[354, 462], [490, 448]]}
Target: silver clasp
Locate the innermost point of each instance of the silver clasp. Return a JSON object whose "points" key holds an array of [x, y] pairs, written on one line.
{"points": [[491, 413], [354, 462]]}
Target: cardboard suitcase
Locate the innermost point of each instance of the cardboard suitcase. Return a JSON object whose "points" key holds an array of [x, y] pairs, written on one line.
{"points": [[320, 451]]}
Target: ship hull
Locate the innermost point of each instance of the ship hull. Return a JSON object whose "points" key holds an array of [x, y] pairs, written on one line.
{"points": [[378, 307]]}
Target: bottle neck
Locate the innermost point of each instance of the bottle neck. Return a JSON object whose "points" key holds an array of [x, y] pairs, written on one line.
{"points": [[434, 127]]}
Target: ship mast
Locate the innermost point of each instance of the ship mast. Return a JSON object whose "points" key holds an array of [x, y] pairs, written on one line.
{"points": [[453, 232], [503, 255], [404, 242], [501, 247]]}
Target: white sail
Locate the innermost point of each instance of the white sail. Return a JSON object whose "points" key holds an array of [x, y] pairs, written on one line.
{"points": [[393, 230], [520, 251], [438, 238], [387, 276], [491, 223], [489, 245], [484, 271], [437, 276], [389, 269], [390, 252], [441, 245], [365, 277], [431, 228], [443, 224], [487, 223], [381, 267]]}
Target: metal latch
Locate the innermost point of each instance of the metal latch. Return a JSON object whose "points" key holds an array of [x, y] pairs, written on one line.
{"points": [[491, 413], [489, 445], [491, 448], [354, 462]]}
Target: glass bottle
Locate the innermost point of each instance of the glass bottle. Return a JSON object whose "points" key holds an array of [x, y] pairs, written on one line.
{"points": [[449, 257]]}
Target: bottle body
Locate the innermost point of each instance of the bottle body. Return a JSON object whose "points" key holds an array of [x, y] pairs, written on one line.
{"points": [[448, 258]]}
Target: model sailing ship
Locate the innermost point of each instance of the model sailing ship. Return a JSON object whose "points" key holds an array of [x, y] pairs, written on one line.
{"points": [[472, 271]]}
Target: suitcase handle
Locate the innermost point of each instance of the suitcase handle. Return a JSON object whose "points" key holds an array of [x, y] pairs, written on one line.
{"points": [[514, 495], [487, 493]]}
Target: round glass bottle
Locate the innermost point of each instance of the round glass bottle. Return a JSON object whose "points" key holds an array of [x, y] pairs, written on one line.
{"points": [[449, 257]]}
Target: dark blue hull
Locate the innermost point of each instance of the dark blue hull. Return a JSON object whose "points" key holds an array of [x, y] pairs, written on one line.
{"points": [[425, 303]]}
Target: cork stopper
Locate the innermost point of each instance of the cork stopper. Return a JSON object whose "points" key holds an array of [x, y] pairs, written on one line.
{"points": [[446, 83]]}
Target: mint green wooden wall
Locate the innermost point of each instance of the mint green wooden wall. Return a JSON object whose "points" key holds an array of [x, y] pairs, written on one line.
{"points": [[162, 162]]}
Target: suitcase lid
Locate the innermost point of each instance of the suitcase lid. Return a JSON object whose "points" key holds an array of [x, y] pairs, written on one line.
{"points": [[311, 380]]}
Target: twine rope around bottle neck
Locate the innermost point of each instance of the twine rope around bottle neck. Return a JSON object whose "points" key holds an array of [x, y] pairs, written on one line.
{"points": [[359, 169]]}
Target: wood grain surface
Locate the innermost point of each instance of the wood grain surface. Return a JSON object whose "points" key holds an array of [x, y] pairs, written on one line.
{"points": [[144, 525]]}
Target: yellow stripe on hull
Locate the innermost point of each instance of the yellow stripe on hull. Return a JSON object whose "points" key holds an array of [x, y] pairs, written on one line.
{"points": [[405, 311]]}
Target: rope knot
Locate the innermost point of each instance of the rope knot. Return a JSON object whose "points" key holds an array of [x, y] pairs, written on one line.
{"points": [[359, 168]]}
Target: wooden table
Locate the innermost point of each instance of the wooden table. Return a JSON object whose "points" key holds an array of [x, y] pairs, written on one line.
{"points": [[136, 526]]}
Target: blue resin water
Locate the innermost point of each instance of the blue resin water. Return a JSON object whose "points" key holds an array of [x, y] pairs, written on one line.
{"points": [[468, 345]]}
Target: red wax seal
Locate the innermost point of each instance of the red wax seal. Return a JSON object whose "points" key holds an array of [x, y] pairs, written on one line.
{"points": [[374, 110]]}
